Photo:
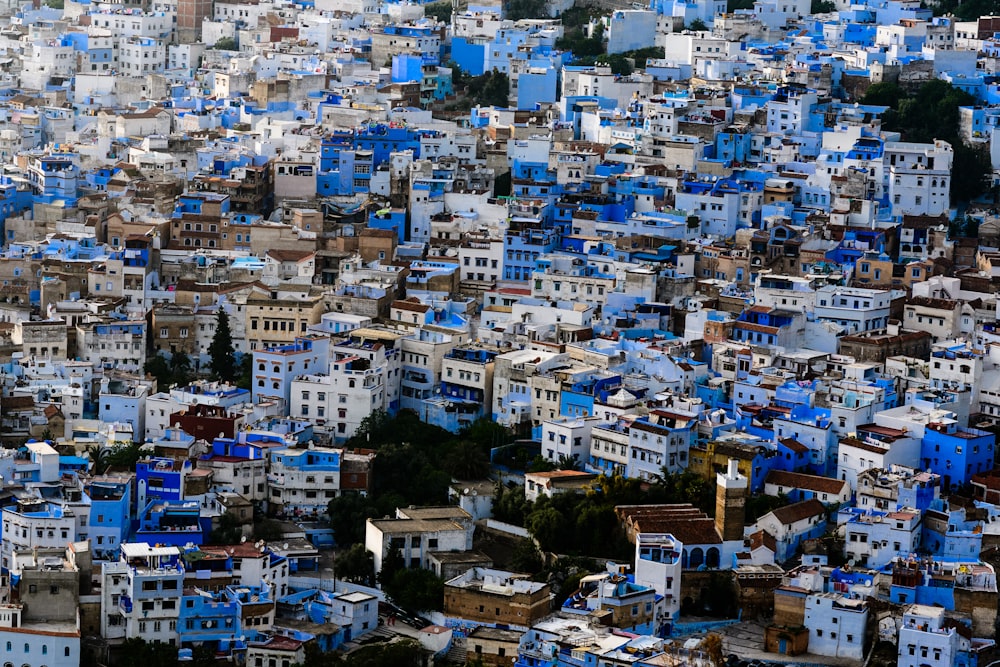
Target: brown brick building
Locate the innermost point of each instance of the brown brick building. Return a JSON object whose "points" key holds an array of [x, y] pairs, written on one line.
{"points": [[494, 596]]}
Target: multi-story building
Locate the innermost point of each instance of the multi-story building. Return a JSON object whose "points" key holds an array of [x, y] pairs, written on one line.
{"points": [[417, 532], [925, 638], [658, 566], [275, 367], [112, 344], [276, 317], [853, 308], [837, 625], [141, 594], [303, 481], [919, 177], [160, 478], [34, 522], [41, 618], [873, 539], [364, 376], [141, 56], [110, 514], [493, 596]]}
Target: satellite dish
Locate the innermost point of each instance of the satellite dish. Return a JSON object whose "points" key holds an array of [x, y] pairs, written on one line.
{"points": [[465, 491], [286, 546], [243, 540]]}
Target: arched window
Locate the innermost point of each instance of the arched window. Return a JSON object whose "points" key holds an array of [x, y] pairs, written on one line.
{"points": [[27, 647], [712, 557], [697, 558], [45, 649]]}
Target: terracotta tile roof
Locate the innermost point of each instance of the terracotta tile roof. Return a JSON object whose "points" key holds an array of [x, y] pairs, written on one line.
{"points": [[685, 522], [762, 538], [789, 514], [797, 480], [290, 255], [928, 302], [414, 305], [794, 445]]}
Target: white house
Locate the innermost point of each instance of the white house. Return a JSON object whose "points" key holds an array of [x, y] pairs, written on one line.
{"points": [[924, 639], [873, 539], [417, 532], [658, 566], [790, 524], [836, 625], [876, 446]]}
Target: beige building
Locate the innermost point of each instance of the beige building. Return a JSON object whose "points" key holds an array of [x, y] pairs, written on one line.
{"points": [[277, 316], [495, 596]]}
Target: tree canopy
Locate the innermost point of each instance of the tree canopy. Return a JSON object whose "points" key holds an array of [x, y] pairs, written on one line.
{"points": [[525, 9], [220, 351], [226, 44], [439, 10], [932, 112], [415, 464]]}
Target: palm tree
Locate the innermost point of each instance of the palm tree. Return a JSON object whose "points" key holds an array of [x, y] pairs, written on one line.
{"points": [[569, 462], [466, 460], [98, 457]]}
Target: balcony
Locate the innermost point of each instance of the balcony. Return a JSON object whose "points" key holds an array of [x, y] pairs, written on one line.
{"points": [[125, 604]]}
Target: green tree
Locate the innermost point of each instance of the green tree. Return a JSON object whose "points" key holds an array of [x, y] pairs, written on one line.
{"points": [[244, 380], [98, 457], [357, 564], [973, 165], [822, 7], [317, 657], [466, 460], [348, 513], [226, 44], [180, 369], [495, 90], [136, 651], [525, 9], [510, 505], [697, 25], [526, 558], [440, 11], [541, 464], [547, 525], [759, 504], [229, 531], [268, 530], [415, 589], [158, 367], [202, 656], [391, 564], [486, 433], [885, 94], [220, 350], [123, 457]]}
